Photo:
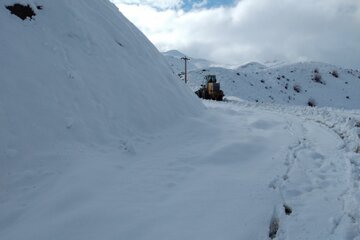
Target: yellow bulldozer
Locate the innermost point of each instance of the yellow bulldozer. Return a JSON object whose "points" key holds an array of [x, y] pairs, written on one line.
{"points": [[210, 89]]}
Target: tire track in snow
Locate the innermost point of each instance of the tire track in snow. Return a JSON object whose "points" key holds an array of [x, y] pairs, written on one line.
{"points": [[350, 197], [279, 184], [346, 225], [319, 171], [343, 225]]}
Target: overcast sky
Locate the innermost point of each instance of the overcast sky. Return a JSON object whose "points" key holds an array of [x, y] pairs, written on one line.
{"points": [[236, 32]]}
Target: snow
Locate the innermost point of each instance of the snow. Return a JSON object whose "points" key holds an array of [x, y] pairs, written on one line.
{"points": [[290, 84], [251, 67], [224, 175], [173, 57], [316, 170], [76, 76], [281, 83], [102, 141], [81, 71]]}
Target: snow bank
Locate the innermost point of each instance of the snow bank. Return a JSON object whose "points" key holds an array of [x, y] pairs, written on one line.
{"points": [[79, 70]]}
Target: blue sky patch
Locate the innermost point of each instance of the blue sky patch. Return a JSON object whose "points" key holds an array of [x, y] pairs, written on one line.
{"points": [[188, 4]]}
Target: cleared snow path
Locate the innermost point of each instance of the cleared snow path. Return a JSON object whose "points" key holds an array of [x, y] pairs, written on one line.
{"points": [[319, 189], [226, 175]]}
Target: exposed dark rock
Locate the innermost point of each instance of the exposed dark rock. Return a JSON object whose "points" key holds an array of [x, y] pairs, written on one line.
{"points": [[22, 11]]}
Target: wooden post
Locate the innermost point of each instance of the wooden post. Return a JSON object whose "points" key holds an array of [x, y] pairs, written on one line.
{"points": [[185, 59]]}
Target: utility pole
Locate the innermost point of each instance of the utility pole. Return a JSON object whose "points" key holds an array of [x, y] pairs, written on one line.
{"points": [[185, 59]]}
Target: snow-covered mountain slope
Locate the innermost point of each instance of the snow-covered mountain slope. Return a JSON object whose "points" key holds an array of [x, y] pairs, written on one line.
{"points": [[251, 67], [314, 83], [277, 82], [177, 64], [74, 75], [80, 70]]}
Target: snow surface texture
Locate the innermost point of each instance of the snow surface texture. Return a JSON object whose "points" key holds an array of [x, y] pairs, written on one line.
{"points": [[75, 76], [293, 84], [79, 70], [230, 174], [99, 140]]}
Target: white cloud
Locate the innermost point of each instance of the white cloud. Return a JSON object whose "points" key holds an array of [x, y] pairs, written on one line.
{"points": [[260, 30], [200, 4]]}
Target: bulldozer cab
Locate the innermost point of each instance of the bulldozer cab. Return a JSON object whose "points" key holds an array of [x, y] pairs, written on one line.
{"points": [[210, 79]]}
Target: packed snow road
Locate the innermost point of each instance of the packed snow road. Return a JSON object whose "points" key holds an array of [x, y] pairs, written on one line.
{"points": [[241, 171]]}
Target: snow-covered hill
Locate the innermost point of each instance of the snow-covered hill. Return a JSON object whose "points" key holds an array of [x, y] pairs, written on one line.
{"points": [[309, 83], [80, 70], [173, 57], [74, 75]]}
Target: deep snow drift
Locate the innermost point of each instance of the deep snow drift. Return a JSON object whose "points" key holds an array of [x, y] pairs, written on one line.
{"points": [[75, 76], [309, 83], [80, 71]]}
